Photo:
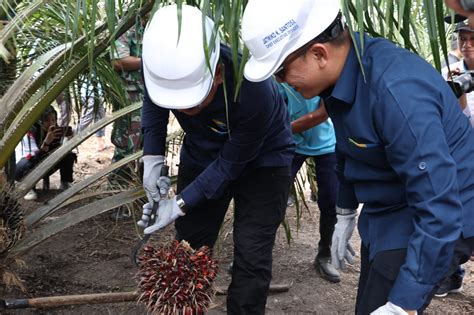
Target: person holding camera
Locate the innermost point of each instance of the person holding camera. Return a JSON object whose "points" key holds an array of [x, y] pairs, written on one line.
{"points": [[44, 137], [466, 47], [453, 283]]}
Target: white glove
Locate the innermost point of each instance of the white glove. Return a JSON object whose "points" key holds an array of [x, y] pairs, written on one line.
{"points": [[389, 309], [143, 223], [341, 250], [163, 183], [168, 211], [152, 165]]}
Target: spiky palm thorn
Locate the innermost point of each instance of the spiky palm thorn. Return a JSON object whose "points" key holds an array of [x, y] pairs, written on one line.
{"points": [[176, 279]]}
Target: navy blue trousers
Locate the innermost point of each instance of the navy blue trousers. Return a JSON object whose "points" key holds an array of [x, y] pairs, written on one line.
{"points": [[327, 182], [378, 276], [65, 166], [259, 207], [326, 178]]}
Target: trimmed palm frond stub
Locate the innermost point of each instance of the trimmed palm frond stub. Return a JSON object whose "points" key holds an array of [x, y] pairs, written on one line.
{"points": [[12, 228], [176, 279]]}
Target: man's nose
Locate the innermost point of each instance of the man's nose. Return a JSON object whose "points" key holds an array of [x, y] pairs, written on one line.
{"points": [[468, 43]]}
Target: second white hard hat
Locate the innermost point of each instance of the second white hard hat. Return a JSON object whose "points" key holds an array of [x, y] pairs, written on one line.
{"points": [[174, 63], [273, 29]]}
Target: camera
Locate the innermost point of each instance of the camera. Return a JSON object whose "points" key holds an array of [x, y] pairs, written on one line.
{"points": [[66, 131], [463, 83]]}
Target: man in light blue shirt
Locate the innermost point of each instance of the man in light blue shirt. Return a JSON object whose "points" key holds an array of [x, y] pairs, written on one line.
{"points": [[314, 137]]}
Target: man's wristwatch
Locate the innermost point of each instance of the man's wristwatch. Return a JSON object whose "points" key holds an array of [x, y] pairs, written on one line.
{"points": [[344, 211], [181, 203]]}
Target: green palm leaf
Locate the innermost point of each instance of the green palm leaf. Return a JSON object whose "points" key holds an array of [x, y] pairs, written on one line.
{"points": [[75, 216], [58, 201]]}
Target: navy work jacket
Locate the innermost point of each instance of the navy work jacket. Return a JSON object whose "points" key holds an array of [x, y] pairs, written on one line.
{"points": [[406, 151], [224, 144]]}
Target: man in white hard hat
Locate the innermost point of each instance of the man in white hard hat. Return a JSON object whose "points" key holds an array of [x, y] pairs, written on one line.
{"points": [[238, 148], [404, 147]]}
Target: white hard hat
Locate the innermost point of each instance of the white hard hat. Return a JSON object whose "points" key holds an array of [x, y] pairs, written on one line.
{"points": [[174, 64], [273, 29]]}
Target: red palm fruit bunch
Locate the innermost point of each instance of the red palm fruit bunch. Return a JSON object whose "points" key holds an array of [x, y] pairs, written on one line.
{"points": [[176, 279]]}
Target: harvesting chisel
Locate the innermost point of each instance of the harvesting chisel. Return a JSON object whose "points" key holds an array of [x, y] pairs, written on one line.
{"points": [[151, 221]]}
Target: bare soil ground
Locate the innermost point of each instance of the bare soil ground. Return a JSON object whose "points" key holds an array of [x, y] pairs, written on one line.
{"points": [[94, 257]]}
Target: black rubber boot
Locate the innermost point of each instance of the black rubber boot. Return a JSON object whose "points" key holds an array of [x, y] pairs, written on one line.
{"points": [[322, 262], [326, 269]]}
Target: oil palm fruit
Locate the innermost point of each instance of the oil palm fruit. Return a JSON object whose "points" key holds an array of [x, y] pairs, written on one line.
{"points": [[176, 279]]}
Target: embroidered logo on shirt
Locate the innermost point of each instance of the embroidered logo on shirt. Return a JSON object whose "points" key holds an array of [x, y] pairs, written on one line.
{"points": [[219, 127], [363, 145]]}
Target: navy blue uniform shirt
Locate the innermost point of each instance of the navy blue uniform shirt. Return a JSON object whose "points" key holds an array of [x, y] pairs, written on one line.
{"points": [[406, 151], [254, 132]]}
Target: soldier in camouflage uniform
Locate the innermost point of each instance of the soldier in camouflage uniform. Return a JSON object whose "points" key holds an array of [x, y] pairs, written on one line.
{"points": [[126, 59], [126, 133]]}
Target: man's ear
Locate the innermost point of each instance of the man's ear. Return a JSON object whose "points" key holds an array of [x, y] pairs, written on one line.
{"points": [[219, 74], [320, 53]]}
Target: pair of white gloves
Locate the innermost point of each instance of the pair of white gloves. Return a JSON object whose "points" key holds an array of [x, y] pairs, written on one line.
{"points": [[156, 186], [341, 251]]}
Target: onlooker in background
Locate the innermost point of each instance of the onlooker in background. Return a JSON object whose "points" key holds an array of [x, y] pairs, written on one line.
{"points": [[453, 283], [126, 59], [314, 137], [65, 107], [126, 133], [467, 9], [42, 139], [454, 54], [466, 47], [93, 110]]}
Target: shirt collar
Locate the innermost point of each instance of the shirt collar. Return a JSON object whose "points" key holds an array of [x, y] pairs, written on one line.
{"points": [[345, 87]]}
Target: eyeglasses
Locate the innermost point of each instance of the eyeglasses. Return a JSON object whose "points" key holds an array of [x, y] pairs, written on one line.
{"points": [[281, 71]]}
